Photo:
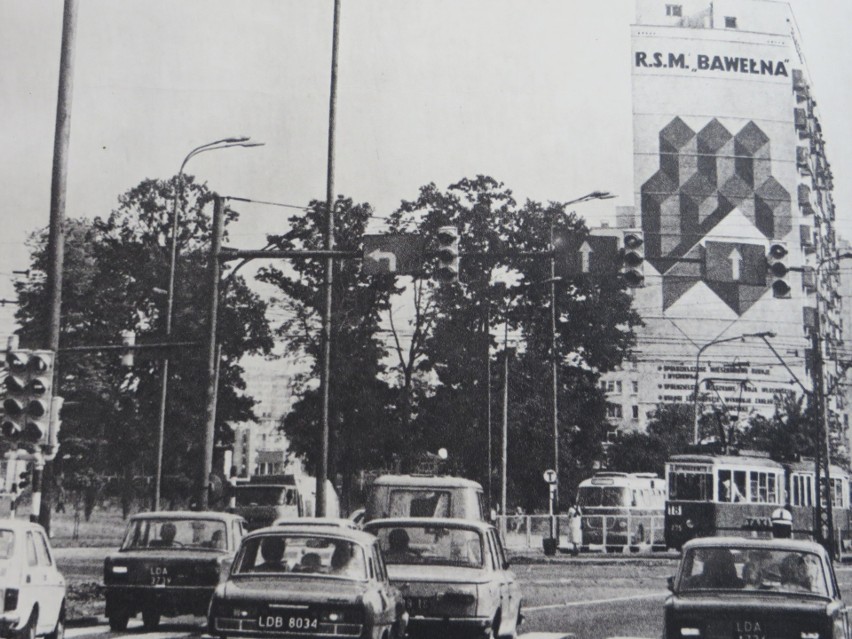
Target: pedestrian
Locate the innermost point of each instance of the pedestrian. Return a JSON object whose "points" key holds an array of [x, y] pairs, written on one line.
{"points": [[60, 495], [575, 528], [519, 519]]}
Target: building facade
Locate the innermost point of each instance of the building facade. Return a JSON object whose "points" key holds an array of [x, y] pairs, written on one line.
{"points": [[732, 189], [260, 448]]}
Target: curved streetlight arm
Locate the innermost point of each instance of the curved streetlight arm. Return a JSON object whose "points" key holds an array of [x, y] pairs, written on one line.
{"points": [[762, 335]]}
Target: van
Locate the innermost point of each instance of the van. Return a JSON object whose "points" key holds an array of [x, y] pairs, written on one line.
{"points": [[424, 496]]}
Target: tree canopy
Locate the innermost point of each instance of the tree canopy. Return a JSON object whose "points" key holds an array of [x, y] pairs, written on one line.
{"points": [[115, 271]]}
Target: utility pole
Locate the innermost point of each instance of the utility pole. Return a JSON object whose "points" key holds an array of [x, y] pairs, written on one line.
{"points": [[56, 239], [212, 350], [488, 462], [325, 377], [504, 443]]}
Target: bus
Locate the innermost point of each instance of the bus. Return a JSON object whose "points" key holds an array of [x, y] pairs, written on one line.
{"points": [[622, 511], [736, 494]]}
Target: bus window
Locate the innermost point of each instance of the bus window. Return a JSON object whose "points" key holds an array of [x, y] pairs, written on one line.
{"points": [[597, 496]]}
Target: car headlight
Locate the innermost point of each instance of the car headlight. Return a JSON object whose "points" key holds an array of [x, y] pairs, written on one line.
{"points": [[688, 631], [815, 635], [119, 570]]}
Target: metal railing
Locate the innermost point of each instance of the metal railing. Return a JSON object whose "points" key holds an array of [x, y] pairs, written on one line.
{"points": [[597, 532]]}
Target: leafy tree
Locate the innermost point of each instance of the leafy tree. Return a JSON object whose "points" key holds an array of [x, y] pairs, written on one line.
{"points": [[113, 269]]}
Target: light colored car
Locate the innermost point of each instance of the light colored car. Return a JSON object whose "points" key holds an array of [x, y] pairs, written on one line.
{"points": [[335, 522], [33, 590], [302, 581], [453, 574]]}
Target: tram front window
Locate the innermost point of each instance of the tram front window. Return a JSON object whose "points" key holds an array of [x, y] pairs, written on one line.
{"points": [[690, 486]]}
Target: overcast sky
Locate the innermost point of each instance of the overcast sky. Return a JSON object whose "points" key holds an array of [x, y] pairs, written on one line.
{"points": [[535, 93]]}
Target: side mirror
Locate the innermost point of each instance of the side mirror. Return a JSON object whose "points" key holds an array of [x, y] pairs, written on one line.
{"points": [[670, 582]]}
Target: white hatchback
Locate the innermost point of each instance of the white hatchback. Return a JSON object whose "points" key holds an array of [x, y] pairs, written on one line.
{"points": [[32, 590]]}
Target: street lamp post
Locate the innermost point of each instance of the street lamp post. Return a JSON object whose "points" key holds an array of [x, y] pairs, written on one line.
{"points": [[594, 195], [698, 363], [224, 143]]}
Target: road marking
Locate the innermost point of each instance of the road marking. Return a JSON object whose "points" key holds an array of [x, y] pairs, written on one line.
{"points": [[593, 602]]}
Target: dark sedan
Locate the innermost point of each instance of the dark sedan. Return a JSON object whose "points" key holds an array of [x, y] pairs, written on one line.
{"points": [[169, 564], [300, 581], [755, 589]]}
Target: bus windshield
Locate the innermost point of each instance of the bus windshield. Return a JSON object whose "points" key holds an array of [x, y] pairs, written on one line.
{"points": [[606, 496]]}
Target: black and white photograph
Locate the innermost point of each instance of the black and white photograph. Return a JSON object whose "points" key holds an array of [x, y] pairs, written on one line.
{"points": [[426, 319]]}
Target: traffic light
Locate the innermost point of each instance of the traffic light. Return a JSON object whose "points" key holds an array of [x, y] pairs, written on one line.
{"points": [[633, 259], [22, 480], [778, 269], [448, 254], [55, 424], [28, 395]]}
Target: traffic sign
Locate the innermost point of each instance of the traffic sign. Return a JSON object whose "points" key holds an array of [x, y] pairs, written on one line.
{"points": [[550, 476], [396, 253], [575, 254]]}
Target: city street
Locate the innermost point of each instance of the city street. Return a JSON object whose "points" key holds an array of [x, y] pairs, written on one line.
{"points": [[590, 596]]}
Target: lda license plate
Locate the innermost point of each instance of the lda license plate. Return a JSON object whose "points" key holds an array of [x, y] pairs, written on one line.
{"points": [[160, 576], [749, 630]]}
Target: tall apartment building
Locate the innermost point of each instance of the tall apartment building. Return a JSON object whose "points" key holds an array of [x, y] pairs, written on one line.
{"points": [[260, 448], [729, 169]]}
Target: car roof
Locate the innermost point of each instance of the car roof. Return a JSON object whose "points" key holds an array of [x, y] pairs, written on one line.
{"points": [[187, 514], [325, 522], [19, 525], [800, 545], [427, 481], [447, 522], [319, 530]]}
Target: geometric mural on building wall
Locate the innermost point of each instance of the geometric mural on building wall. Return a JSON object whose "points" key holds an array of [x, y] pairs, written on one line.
{"points": [[702, 178]]}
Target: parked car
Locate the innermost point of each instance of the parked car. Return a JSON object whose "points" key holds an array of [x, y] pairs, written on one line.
{"points": [[453, 574], [32, 588], [754, 588], [169, 564], [297, 581]]}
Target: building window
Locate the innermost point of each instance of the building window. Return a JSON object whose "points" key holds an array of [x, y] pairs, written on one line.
{"points": [[618, 386], [613, 411], [730, 22], [635, 387], [675, 10], [635, 412]]}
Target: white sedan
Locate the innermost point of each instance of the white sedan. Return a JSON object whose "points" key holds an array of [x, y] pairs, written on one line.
{"points": [[32, 590]]}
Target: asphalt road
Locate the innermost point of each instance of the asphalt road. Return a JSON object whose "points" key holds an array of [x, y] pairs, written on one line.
{"points": [[593, 598]]}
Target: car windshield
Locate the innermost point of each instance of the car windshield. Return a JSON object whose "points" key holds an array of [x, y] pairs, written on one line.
{"points": [[7, 544], [175, 533], [301, 553], [596, 496], [432, 545], [765, 569]]}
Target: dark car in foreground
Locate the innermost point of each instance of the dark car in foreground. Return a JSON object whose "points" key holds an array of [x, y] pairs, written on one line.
{"points": [[169, 564], [310, 580], [755, 589], [454, 575]]}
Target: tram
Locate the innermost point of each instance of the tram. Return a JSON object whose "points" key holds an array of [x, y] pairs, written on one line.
{"points": [[735, 494]]}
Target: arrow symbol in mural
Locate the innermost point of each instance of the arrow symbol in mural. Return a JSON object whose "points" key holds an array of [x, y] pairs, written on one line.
{"points": [[585, 255], [378, 256], [736, 259]]}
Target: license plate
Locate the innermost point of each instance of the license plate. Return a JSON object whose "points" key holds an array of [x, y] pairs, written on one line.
{"points": [[305, 623], [749, 630], [160, 577], [417, 604]]}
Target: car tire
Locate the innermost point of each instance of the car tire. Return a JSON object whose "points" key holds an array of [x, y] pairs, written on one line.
{"points": [[29, 630], [118, 620], [150, 619], [59, 630]]}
